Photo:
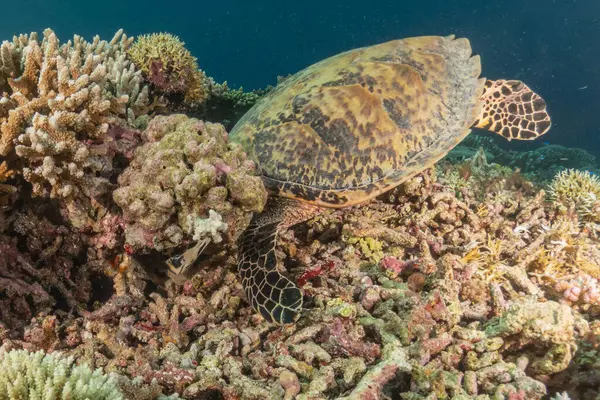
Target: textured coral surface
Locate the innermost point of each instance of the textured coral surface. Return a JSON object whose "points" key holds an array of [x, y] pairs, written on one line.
{"points": [[184, 169], [417, 295], [477, 279], [169, 66]]}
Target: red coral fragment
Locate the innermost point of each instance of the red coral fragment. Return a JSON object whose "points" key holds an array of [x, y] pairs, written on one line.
{"points": [[397, 266], [436, 345], [312, 273]]}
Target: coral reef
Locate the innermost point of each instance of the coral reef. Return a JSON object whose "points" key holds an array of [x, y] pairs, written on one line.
{"points": [[169, 66], [539, 164], [447, 305], [184, 171], [468, 281]]}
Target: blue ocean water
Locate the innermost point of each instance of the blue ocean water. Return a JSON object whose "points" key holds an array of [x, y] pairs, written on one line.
{"points": [[552, 45]]}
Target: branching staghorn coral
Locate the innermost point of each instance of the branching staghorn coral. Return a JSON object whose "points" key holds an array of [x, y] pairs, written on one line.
{"points": [[170, 66], [567, 261], [77, 88]]}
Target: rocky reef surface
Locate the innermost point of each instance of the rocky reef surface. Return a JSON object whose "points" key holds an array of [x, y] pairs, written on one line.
{"points": [[477, 279]]}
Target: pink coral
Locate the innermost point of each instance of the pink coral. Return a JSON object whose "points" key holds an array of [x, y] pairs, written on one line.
{"points": [[337, 339], [397, 266], [582, 288]]}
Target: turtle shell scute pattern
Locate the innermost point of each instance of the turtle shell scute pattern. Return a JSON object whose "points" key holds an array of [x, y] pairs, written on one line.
{"points": [[354, 125]]}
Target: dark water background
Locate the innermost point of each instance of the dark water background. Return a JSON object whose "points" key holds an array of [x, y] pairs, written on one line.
{"points": [[552, 45]]}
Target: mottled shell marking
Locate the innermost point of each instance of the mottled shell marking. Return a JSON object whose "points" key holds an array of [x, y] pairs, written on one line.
{"points": [[354, 125]]}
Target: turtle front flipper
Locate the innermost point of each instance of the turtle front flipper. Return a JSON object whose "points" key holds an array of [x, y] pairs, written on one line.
{"points": [[513, 110], [276, 297]]}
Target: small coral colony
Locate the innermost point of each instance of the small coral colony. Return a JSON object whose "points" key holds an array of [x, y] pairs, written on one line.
{"points": [[121, 202]]}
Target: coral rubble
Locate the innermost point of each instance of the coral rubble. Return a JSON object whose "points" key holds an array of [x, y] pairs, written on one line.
{"points": [[447, 305]]}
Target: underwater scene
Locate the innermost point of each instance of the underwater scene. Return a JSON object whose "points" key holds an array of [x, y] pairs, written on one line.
{"points": [[383, 200]]}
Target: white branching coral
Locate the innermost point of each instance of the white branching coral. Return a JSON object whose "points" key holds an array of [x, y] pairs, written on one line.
{"points": [[56, 105], [82, 85], [579, 189], [207, 227], [25, 375]]}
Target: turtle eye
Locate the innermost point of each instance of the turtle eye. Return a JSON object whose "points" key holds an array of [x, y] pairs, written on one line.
{"points": [[175, 261]]}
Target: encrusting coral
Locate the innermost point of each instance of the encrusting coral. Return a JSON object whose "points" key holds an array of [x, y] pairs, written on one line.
{"points": [[169, 66], [186, 182]]}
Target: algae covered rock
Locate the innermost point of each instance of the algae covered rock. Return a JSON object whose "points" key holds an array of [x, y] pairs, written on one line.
{"points": [[548, 322], [545, 331], [187, 181]]}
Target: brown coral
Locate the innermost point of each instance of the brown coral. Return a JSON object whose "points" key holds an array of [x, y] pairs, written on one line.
{"points": [[5, 189], [185, 169], [170, 66]]}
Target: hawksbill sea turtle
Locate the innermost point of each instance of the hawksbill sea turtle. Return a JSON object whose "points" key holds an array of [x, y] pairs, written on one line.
{"points": [[355, 125]]}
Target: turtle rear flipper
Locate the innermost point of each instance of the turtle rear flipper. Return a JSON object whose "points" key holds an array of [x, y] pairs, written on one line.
{"points": [[276, 297], [513, 110]]}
